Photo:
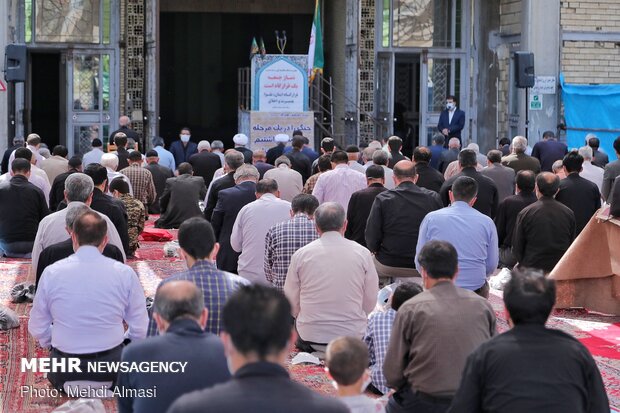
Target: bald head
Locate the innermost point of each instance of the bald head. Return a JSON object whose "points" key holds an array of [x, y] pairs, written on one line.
{"points": [[404, 171], [547, 184], [178, 299]]}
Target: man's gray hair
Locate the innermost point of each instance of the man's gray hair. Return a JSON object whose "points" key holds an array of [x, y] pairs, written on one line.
{"points": [[234, 159], [380, 158], [519, 144], [73, 213], [330, 216], [79, 186], [557, 166], [282, 160], [109, 160], [217, 144], [586, 152], [204, 146], [454, 143], [246, 172], [157, 141], [474, 147], [171, 307]]}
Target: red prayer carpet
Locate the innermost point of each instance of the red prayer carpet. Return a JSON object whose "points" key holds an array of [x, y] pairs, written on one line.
{"points": [[600, 333]]}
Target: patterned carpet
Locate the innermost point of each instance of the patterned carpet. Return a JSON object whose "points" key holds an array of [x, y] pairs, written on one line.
{"points": [[600, 333]]}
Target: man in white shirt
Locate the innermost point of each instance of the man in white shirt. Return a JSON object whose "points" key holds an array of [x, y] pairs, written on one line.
{"points": [[110, 161], [33, 142], [331, 283], [340, 183], [590, 171], [251, 226], [37, 176], [78, 190], [95, 154], [353, 152], [82, 302], [290, 182]]}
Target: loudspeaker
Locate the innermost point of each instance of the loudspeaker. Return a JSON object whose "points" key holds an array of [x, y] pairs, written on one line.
{"points": [[524, 69], [15, 63]]}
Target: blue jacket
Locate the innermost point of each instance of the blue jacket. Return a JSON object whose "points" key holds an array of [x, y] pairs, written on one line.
{"points": [[181, 154], [456, 126], [186, 342]]}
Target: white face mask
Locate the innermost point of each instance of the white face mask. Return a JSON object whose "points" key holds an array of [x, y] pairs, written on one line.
{"points": [[450, 106], [185, 138]]}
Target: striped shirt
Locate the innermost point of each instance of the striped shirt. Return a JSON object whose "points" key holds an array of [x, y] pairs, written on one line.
{"points": [[377, 338], [216, 286], [141, 182], [282, 241]]}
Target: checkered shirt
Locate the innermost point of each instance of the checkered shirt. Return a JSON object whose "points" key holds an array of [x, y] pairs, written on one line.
{"points": [[141, 182], [281, 242], [377, 339], [216, 286], [309, 186]]}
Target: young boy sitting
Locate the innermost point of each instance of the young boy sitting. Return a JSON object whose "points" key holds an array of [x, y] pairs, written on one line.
{"points": [[378, 333], [136, 213], [346, 362]]}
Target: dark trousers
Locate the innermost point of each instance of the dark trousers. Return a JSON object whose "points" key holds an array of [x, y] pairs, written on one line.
{"points": [[17, 249], [406, 400], [484, 290], [58, 379]]}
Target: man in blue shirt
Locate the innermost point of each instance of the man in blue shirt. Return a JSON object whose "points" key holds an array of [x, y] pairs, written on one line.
{"points": [[548, 151], [436, 150], [165, 156], [198, 249], [472, 233]]}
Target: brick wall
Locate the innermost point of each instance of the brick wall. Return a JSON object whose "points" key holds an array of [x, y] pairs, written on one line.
{"points": [[510, 17], [590, 15], [591, 61]]}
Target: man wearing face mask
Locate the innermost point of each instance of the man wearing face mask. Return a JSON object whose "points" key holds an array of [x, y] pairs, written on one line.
{"points": [[451, 120], [183, 148], [198, 248]]}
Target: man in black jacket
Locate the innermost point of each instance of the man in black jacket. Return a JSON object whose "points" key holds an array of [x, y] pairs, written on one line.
{"points": [[577, 193], [160, 174], [361, 203], [233, 160], [205, 163], [22, 207], [487, 199], [229, 203], [180, 199], [299, 160], [57, 193], [120, 140], [428, 177], [107, 205], [394, 223], [63, 249], [530, 368], [395, 145], [544, 230], [18, 142], [180, 313], [257, 337], [507, 213]]}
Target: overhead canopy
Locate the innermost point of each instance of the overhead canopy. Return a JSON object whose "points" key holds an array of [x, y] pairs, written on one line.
{"points": [[595, 109]]}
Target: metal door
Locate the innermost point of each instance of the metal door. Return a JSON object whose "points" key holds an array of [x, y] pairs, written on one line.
{"points": [[91, 90], [441, 75]]}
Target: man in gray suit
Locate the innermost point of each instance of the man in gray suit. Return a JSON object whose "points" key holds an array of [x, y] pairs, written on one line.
{"points": [[612, 170], [180, 198], [503, 176]]}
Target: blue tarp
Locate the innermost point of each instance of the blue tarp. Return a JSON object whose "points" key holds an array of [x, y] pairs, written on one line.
{"points": [[591, 107]]}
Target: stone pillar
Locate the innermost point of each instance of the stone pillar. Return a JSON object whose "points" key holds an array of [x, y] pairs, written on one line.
{"points": [[541, 36]]}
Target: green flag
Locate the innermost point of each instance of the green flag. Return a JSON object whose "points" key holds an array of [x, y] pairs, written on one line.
{"points": [[315, 51], [263, 51], [253, 48]]}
